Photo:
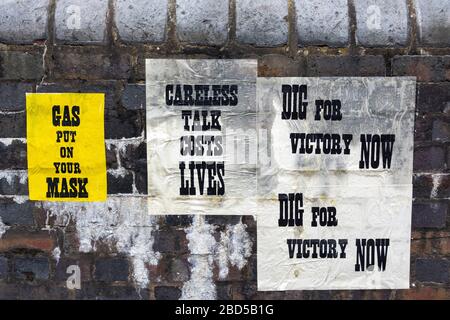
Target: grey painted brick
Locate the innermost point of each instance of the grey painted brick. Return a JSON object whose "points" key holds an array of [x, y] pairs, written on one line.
{"points": [[432, 270], [3, 267], [429, 214], [381, 22], [262, 23], [12, 95], [322, 22], [80, 21], [202, 21], [133, 96], [13, 213], [23, 21], [16, 65], [141, 20], [31, 268], [433, 18], [111, 269]]}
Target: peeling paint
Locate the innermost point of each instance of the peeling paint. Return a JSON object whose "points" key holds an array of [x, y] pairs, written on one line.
{"points": [[3, 228], [202, 247], [56, 254], [437, 179], [121, 222], [8, 141], [233, 248], [10, 174]]}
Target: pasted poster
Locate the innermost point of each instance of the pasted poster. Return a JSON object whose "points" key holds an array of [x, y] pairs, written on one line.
{"points": [[66, 146], [335, 183], [201, 136]]}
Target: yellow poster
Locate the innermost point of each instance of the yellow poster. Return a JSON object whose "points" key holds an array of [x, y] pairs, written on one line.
{"points": [[66, 146]]}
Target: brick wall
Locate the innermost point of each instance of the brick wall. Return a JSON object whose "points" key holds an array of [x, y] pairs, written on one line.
{"points": [[101, 46]]}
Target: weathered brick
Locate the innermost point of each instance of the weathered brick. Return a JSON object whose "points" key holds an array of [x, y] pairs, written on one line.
{"points": [[432, 270], [277, 65], [84, 263], [3, 267], [79, 21], [261, 23], [423, 293], [381, 23], [429, 158], [132, 154], [433, 21], [167, 293], [422, 185], [322, 22], [202, 22], [13, 183], [433, 97], [141, 176], [120, 182], [120, 123], [423, 127], [13, 125], [18, 65], [179, 270], [31, 268], [425, 68], [223, 291], [12, 95], [141, 20], [41, 241], [13, 156], [319, 66], [170, 241], [111, 157], [429, 214], [223, 220], [22, 21], [178, 221], [133, 96], [111, 269], [13, 213], [85, 64], [93, 291], [441, 130]]}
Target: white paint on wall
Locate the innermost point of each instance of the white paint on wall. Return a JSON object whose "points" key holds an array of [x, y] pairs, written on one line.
{"points": [[3, 228], [9, 175], [8, 141], [56, 254], [233, 248], [202, 247], [121, 222]]}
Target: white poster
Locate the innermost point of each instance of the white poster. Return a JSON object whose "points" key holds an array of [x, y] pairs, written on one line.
{"points": [[335, 185], [201, 136]]}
